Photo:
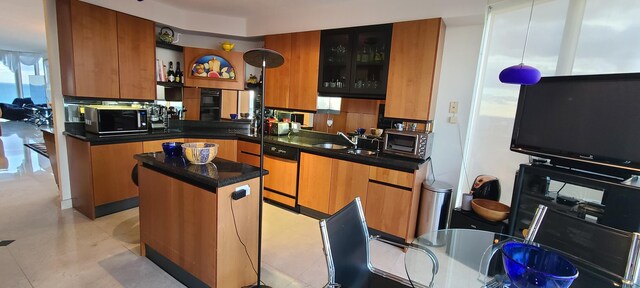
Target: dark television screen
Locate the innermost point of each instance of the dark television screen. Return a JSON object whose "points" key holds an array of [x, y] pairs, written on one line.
{"points": [[592, 120]]}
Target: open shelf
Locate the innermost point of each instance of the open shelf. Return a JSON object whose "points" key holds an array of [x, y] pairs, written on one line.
{"points": [[169, 46]]}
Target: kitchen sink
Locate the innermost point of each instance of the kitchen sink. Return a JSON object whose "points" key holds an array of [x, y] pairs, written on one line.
{"points": [[362, 152], [329, 146]]}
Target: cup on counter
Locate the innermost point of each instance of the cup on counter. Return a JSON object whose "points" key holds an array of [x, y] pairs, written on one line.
{"points": [[360, 131], [233, 116], [466, 201], [399, 126]]}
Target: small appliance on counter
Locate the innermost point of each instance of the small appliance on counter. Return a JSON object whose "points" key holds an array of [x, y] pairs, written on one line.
{"points": [[157, 115], [486, 187], [279, 128], [107, 120], [410, 144]]}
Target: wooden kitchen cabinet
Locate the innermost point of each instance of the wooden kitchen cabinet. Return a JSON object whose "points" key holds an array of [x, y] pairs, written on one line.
{"points": [[387, 208], [281, 182], [416, 53], [229, 104], [156, 145], [136, 57], [294, 85], [111, 165], [349, 181], [278, 79], [104, 53], [248, 153], [100, 176], [314, 182], [191, 102], [226, 148]]}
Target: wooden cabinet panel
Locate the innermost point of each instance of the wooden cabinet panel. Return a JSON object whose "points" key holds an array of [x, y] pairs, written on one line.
{"points": [[95, 51], [250, 147], [277, 80], [282, 175], [314, 182], [229, 104], [191, 102], [112, 165], [235, 59], [179, 221], [394, 177], [348, 182], [156, 145], [305, 55], [80, 178], [416, 50], [387, 209], [136, 57], [226, 148]]}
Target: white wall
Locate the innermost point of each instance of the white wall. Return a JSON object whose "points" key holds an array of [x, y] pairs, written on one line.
{"points": [[57, 101], [457, 81]]}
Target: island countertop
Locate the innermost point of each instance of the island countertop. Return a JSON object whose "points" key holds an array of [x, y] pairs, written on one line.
{"points": [[218, 173]]}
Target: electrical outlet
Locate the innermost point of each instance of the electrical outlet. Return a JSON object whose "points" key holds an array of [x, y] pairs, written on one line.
{"points": [[453, 119], [241, 192], [244, 187], [453, 107]]}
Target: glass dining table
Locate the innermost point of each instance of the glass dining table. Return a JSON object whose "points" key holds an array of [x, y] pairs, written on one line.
{"points": [[472, 258]]}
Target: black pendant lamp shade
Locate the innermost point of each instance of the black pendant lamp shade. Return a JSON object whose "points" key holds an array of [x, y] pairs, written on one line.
{"points": [[255, 57]]}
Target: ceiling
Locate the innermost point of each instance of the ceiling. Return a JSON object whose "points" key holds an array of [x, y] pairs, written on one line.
{"points": [[23, 28]]}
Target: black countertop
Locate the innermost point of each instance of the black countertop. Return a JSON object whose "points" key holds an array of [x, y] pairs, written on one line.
{"points": [[218, 173], [304, 140]]}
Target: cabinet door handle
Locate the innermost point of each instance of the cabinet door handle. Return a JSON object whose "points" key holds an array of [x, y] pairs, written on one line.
{"points": [[474, 226]]}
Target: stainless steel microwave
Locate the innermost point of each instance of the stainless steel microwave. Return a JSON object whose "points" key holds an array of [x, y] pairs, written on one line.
{"points": [[408, 143], [104, 120]]}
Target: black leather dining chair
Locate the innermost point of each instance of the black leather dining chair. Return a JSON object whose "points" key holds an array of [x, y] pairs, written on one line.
{"points": [[603, 249], [346, 246]]}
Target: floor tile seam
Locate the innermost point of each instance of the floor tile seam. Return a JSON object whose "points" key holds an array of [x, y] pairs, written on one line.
{"points": [[15, 260]]}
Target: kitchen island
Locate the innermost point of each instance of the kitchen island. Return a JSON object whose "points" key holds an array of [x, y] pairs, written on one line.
{"points": [[189, 224]]}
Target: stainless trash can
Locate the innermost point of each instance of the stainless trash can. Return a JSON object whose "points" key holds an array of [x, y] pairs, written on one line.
{"points": [[434, 206]]}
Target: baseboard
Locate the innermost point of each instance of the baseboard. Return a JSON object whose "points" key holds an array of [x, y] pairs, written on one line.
{"points": [[66, 204]]}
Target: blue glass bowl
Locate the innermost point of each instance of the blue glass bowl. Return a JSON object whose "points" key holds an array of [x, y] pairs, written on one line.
{"points": [[530, 266], [172, 149]]}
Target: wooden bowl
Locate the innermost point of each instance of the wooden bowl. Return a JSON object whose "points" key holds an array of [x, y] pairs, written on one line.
{"points": [[490, 209]]}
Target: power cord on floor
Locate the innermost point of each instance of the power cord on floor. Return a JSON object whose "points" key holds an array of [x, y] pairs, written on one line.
{"points": [[233, 215]]}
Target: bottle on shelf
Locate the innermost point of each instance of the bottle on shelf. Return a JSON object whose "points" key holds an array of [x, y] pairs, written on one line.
{"points": [[179, 74], [171, 75]]}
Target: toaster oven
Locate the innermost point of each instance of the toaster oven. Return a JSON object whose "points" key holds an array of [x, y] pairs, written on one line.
{"points": [[408, 143]]}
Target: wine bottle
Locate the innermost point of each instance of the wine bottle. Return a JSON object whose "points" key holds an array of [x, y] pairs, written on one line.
{"points": [[178, 73], [171, 76]]}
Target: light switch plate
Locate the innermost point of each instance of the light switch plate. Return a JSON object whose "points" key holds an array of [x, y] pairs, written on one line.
{"points": [[453, 107]]}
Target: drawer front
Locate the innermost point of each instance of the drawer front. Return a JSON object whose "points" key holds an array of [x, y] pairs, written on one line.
{"points": [[394, 177], [249, 147], [283, 175], [388, 209]]}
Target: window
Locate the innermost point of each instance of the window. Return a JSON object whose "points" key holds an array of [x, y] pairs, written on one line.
{"points": [[8, 89], [606, 42]]}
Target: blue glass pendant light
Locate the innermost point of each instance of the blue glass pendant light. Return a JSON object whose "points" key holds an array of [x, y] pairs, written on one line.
{"points": [[521, 74]]}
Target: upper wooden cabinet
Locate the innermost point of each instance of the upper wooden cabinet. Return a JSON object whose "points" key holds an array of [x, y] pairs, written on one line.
{"points": [[191, 103], [191, 55], [136, 57], [104, 53], [294, 85], [416, 52]]}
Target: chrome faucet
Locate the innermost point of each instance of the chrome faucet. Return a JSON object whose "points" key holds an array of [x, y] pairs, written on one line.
{"points": [[353, 140], [378, 143]]}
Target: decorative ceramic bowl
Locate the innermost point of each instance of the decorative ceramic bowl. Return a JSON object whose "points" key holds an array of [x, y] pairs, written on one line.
{"points": [[531, 266], [490, 209], [244, 115], [172, 149], [227, 46], [199, 152]]}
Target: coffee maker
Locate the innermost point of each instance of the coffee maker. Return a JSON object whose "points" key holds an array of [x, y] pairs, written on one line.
{"points": [[158, 116]]}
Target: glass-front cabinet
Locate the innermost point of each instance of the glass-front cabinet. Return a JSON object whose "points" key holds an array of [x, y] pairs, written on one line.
{"points": [[354, 61]]}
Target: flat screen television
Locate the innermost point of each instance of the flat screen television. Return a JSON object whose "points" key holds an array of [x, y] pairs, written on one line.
{"points": [[589, 122]]}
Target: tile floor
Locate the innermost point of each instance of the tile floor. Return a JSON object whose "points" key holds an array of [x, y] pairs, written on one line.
{"points": [[62, 248]]}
